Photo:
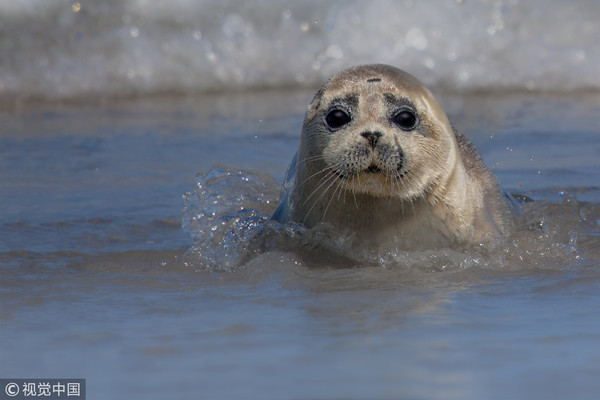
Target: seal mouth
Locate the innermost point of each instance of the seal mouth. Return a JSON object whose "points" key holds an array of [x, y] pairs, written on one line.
{"points": [[373, 169]]}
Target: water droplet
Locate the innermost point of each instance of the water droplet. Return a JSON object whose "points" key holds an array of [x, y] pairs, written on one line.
{"points": [[429, 63], [334, 51], [416, 38], [530, 85], [580, 55], [464, 76]]}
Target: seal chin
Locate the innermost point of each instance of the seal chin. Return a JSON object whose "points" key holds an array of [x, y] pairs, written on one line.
{"points": [[371, 171], [374, 182]]}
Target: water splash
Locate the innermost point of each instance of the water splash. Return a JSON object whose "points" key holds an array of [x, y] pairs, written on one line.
{"points": [[228, 216], [225, 211]]}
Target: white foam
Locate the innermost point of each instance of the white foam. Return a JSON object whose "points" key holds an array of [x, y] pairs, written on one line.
{"points": [[61, 49]]}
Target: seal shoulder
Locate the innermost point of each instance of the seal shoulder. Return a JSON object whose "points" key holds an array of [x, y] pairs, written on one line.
{"points": [[500, 204]]}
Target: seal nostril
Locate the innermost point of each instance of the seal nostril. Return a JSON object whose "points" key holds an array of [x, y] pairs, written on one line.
{"points": [[372, 137]]}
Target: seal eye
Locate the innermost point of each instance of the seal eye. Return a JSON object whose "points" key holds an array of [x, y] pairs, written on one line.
{"points": [[405, 119], [337, 118]]}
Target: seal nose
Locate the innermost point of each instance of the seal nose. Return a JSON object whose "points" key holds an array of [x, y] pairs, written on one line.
{"points": [[372, 137]]}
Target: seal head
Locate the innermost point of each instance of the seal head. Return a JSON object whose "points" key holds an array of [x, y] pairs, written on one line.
{"points": [[379, 158]]}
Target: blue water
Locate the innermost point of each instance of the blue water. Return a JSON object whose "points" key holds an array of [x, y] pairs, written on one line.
{"points": [[112, 114], [98, 280]]}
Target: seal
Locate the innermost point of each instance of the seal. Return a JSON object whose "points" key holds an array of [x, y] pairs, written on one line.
{"points": [[379, 160]]}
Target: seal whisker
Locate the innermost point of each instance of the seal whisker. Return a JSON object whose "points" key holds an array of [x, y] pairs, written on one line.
{"points": [[317, 157], [397, 183], [325, 171], [389, 182], [330, 181], [326, 181], [354, 194], [355, 182], [412, 205], [330, 172], [340, 193], [329, 176], [339, 185]]}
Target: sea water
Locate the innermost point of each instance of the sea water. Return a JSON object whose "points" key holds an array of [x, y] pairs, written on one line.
{"points": [[130, 203]]}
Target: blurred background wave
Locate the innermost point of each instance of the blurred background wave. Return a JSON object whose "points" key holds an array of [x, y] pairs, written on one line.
{"points": [[58, 49]]}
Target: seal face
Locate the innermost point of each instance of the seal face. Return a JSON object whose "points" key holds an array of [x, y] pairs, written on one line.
{"points": [[379, 158]]}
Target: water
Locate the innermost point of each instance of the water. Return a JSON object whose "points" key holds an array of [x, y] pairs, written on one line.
{"points": [[100, 281], [108, 113]]}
